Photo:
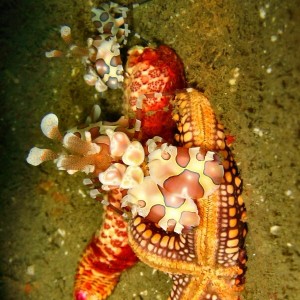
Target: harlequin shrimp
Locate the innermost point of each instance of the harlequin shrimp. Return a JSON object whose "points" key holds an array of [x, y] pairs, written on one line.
{"points": [[101, 57]]}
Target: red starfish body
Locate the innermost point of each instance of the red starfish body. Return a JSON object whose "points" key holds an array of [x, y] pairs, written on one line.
{"points": [[153, 75]]}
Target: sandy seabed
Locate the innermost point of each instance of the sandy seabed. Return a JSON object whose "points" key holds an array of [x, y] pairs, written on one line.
{"points": [[244, 55]]}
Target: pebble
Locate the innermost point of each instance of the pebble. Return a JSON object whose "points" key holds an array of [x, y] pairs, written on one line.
{"points": [[288, 193], [274, 38], [275, 230], [61, 232], [258, 131], [30, 270], [262, 13]]}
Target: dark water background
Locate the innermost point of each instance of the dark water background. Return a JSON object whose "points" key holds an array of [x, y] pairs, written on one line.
{"points": [[244, 55]]}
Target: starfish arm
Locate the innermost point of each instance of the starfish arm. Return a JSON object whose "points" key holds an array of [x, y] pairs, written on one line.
{"points": [[104, 259], [186, 287], [166, 251], [209, 261], [196, 121]]}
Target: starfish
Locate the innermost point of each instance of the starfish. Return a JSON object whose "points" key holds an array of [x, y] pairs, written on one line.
{"points": [[209, 261]]}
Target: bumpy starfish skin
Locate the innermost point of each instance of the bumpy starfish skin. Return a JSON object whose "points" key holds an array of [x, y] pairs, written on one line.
{"points": [[208, 262], [153, 74], [196, 121], [106, 256]]}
